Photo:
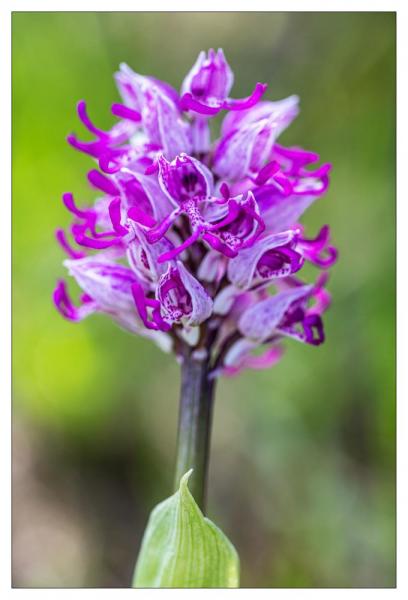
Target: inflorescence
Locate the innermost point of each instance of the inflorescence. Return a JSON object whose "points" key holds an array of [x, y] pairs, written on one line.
{"points": [[195, 243]]}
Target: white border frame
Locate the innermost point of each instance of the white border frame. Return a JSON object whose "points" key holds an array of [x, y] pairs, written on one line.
{"points": [[9, 6]]}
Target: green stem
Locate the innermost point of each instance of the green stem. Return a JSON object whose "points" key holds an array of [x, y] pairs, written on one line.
{"points": [[194, 430]]}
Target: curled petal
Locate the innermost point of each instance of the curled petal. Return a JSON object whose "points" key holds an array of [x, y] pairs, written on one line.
{"points": [[239, 229], [63, 242], [84, 229], [66, 307], [152, 321], [105, 140], [115, 217], [187, 102], [311, 329], [318, 250], [103, 183], [214, 106], [249, 101], [124, 112], [295, 163]]}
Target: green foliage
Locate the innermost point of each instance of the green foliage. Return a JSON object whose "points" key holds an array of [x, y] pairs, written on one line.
{"points": [[183, 549]]}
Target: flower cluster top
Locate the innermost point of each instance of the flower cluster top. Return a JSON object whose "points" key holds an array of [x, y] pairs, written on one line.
{"points": [[195, 243]]}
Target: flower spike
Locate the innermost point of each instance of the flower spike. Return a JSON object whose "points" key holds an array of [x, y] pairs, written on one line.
{"points": [[195, 242]]}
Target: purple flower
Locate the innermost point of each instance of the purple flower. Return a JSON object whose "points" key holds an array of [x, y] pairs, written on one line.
{"points": [[198, 242], [206, 88]]}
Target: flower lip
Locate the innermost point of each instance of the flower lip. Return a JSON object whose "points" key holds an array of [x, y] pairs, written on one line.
{"points": [[285, 313], [271, 257], [239, 229], [182, 297], [185, 178]]}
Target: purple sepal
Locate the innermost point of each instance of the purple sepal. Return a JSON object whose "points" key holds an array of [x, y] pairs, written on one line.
{"points": [[247, 144], [107, 282], [159, 112], [142, 191], [281, 112], [224, 300], [200, 136], [210, 77]]}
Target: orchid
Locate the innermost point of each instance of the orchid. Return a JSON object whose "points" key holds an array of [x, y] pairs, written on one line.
{"points": [[196, 243]]}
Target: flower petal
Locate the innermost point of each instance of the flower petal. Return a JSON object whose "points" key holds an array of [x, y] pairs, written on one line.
{"points": [[281, 212], [106, 282], [244, 270], [248, 141], [142, 256], [210, 78], [202, 304], [184, 178], [260, 321], [143, 191], [240, 357]]}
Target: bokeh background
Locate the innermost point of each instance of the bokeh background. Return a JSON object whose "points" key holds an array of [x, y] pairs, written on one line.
{"points": [[303, 457]]}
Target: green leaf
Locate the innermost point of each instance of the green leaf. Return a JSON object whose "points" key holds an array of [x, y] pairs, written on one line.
{"points": [[183, 549]]}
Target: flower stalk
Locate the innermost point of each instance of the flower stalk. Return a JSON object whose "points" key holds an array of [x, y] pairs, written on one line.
{"points": [[194, 428]]}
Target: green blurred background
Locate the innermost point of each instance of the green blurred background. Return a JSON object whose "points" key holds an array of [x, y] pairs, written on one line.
{"points": [[302, 476]]}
